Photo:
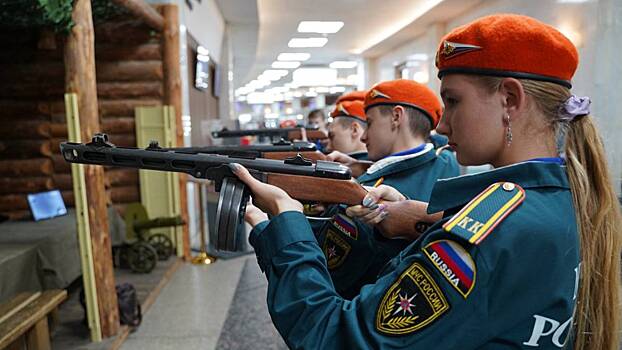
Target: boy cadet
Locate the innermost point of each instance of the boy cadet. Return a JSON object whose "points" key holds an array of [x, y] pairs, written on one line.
{"points": [[400, 116], [349, 124]]}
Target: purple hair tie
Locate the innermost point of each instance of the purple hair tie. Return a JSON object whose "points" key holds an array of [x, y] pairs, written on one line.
{"points": [[574, 107]]}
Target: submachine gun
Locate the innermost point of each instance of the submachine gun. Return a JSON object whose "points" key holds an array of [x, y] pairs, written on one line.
{"points": [[286, 133], [322, 181]]}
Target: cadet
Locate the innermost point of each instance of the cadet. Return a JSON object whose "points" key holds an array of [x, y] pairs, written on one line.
{"points": [[400, 115], [357, 95], [349, 124], [521, 248]]}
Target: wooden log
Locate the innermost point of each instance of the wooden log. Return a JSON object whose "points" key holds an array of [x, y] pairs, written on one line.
{"points": [[124, 108], [30, 54], [62, 182], [129, 71], [24, 130], [60, 165], [20, 149], [68, 198], [121, 177], [32, 90], [12, 185], [58, 130], [120, 90], [122, 125], [144, 12], [18, 214], [125, 194], [80, 79], [11, 109], [31, 72], [125, 32], [10, 202], [172, 96], [26, 167], [114, 52]]}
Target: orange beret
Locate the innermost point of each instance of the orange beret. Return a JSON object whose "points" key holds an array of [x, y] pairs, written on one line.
{"points": [[352, 96], [352, 109], [407, 93], [508, 45]]}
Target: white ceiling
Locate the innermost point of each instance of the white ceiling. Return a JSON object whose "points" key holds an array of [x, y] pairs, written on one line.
{"points": [[371, 28]]}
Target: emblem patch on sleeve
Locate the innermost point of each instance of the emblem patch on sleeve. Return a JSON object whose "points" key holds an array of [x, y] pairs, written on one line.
{"points": [[454, 263], [411, 303], [336, 249], [482, 214], [345, 225]]}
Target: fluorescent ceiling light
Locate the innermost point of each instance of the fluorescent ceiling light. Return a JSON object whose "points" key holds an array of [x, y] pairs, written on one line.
{"points": [[202, 51], [337, 89], [322, 27], [307, 42], [259, 98], [310, 94], [315, 77], [285, 65], [409, 15], [322, 89], [343, 64], [293, 56]]}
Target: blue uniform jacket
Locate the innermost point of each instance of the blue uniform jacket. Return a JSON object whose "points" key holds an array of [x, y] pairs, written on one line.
{"points": [[355, 251], [515, 289]]}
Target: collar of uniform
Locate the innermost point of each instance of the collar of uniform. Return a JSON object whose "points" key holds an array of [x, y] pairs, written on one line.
{"points": [[455, 192], [359, 155], [385, 162]]}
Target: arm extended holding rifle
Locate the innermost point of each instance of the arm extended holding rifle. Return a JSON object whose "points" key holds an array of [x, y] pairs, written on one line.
{"points": [[303, 180]]}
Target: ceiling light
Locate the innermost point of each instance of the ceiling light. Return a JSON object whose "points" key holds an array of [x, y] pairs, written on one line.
{"points": [[310, 94], [315, 76], [307, 42], [202, 51], [285, 65], [337, 89], [322, 27], [322, 89], [292, 56], [259, 98], [343, 64]]}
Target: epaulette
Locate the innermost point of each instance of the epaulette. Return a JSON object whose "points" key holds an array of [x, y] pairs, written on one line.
{"points": [[483, 213]]}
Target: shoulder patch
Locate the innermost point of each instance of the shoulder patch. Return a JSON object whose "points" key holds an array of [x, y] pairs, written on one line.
{"points": [[345, 225], [454, 263], [482, 214], [336, 249], [411, 303]]}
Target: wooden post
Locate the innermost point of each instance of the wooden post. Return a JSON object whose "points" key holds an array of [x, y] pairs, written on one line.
{"points": [[172, 96], [80, 79]]}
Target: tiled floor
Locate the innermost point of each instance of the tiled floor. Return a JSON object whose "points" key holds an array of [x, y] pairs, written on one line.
{"points": [[219, 306]]}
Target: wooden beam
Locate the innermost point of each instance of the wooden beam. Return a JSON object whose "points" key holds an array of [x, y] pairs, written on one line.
{"points": [[80, 79], [172, 96], [144, 12]]}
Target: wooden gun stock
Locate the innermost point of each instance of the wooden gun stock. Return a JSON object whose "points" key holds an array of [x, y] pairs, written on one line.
{"points": [[311, 135], [313, 156], [407, 219]]}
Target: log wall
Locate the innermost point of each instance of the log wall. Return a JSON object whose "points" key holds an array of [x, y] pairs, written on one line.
{"points": [[32, 114]]}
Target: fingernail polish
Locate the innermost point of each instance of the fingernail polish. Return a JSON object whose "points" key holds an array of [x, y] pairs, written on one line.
{"points": [[367, 201], [374, 206], [235, 167]]}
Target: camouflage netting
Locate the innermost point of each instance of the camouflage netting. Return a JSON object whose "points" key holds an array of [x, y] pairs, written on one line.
{"points": [[51, 13]]}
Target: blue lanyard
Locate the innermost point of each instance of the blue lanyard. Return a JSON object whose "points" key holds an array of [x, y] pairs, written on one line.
{"points": [[556, 160], [409, 151]]}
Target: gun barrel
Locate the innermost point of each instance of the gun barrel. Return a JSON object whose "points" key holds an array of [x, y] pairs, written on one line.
{"points": [[252, 149], [282, 132]]}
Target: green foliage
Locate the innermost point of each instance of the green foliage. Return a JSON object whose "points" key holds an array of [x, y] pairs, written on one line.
{"points": [[51, 13]]}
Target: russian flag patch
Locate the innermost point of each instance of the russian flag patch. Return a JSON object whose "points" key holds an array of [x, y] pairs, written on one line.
{"points": [[346, 226], [454, 263]]}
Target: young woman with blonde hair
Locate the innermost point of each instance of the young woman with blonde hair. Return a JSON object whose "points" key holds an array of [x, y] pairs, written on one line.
{"points": [[526, 255]]}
